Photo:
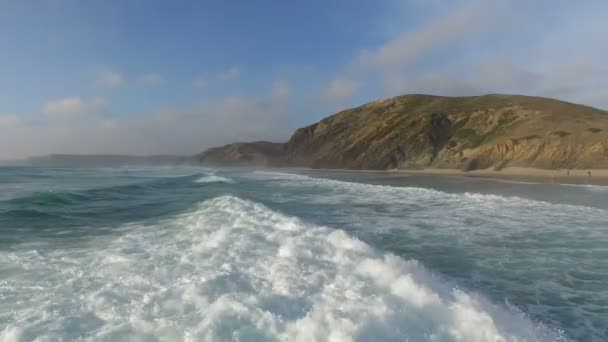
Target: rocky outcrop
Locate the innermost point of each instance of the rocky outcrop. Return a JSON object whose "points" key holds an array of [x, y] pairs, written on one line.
{"points": [[414, 131]]}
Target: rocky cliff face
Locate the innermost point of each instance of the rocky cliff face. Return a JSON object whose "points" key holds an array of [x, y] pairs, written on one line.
{"points": [[414, 131]]}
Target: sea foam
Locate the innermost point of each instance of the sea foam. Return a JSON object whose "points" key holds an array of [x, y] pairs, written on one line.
{"points": [[212, 178], [233, 269]]}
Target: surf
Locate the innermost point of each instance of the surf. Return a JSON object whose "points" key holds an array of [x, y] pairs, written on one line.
{"points": [[212, 178], [235, 269]]}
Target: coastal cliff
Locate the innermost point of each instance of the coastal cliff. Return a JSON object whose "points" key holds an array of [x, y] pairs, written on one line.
{"points": [[424, 131]]}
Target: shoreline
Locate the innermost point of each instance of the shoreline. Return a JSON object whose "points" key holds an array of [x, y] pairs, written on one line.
{"points": [[518, 174]]}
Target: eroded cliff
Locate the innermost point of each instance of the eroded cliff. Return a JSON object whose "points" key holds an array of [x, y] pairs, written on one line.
{"points": [[414, 131]]}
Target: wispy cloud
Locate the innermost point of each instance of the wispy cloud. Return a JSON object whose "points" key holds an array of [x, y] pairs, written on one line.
{"points": [[397, 61], [111, 78], [151, 79], [115, 79], [463, 47], [73, 107], [341, 90], [280, 89], [409, 47], [486, 47], [77, 125], [199, 82], [11, 120], [229, 74]]}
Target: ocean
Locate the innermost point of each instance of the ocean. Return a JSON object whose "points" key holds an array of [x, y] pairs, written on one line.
{"points": [[198, 254]]}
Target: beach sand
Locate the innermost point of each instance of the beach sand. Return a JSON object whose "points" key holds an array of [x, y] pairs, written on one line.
{"points": [[563, 176]]}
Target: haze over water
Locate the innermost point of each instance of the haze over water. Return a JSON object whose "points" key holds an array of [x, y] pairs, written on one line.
{"points": [[189, 254]]}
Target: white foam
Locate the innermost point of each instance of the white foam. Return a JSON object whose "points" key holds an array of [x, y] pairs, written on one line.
{"points": [[345, 192], [236, 270], [214, 179], [11, 334], [280, 175], [595, 188]]}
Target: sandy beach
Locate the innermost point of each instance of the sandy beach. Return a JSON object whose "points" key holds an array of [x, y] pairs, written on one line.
{"points": [[564, 176], [524, 174]]}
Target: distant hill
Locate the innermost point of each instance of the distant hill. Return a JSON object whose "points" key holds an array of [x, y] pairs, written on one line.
{"points": [[252, 153], [104, 160], [415, 131]]}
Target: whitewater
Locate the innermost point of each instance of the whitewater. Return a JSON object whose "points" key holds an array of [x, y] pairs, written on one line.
{"points": [[195, 254]]}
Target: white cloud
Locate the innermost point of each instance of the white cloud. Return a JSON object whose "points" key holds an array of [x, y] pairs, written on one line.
{"points": [[199, 82], [391, 62], [151, 79], [477, 48], [115, 79], [163, 131], [409, 47], [487, 47], [229, 75], [280, 89], [340, 90], [111, 78], [11, 120], [73, 107]]}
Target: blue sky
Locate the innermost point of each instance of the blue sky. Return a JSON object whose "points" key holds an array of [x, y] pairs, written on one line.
{"points": [[112, 76]]}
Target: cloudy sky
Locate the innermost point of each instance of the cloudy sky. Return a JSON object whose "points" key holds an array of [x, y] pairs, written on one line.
{"points": [[156, 77]]}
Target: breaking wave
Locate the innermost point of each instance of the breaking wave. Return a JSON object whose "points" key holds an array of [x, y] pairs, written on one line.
{"points": [[212, 178], [233, 269], [410, 195]]}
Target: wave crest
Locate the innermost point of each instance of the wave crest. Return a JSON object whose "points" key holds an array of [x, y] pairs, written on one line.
{"points": [[214, 179], [235, 270]]}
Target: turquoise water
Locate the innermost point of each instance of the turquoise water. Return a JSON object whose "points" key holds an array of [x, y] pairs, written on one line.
{"points": [[190, 254]]}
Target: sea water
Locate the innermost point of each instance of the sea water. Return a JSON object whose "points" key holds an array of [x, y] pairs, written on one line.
{"points": [[194, 254]]}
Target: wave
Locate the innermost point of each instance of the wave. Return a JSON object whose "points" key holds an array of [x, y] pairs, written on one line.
{"points": [[233, 269], [63, 198], [413, 195], [214, 179], [52, 198], [594, 188], [19, 214]]}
